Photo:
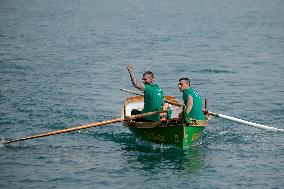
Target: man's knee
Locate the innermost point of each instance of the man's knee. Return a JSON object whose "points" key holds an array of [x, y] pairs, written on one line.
{"points": [[135, 112]]}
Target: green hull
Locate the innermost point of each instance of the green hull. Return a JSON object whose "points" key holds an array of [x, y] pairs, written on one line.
{"points": [[169, 131], [175, 134]]}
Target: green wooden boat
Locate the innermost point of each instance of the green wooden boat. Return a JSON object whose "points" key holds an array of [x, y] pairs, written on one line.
{"points": [[168, 131]]}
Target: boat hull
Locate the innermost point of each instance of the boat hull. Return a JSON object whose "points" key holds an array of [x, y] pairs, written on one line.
{"points": [[179, 134], [168, 131]]}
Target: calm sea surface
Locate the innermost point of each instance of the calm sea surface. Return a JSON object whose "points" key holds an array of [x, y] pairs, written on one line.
{"points": [[62, 63]]}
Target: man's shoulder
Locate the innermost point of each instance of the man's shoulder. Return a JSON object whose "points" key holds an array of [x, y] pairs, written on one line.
{"points": [[152, 85], [157, 87], [188, 91]]}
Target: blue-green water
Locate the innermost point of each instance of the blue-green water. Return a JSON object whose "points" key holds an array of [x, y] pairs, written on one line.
{"points": [[62, 64]]}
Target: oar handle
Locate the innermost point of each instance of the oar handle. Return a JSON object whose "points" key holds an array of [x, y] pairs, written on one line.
{"points": [[133, 92], [173, 103]]}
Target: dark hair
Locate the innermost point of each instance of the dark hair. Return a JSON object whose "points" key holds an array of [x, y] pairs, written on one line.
{"points": [[149, 73], [185, 79]]}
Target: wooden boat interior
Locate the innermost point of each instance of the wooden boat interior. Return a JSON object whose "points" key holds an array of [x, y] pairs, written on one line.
{"points": [[137, 102]]}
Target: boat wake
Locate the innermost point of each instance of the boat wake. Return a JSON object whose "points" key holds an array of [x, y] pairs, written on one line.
{"points": [[235, 137]]}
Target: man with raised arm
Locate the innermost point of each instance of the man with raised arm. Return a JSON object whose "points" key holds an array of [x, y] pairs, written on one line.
{"points": [[153, 94]]}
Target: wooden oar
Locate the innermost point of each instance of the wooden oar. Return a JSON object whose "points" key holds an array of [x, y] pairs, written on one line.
{"points": [[256, 125], [96, 124]]}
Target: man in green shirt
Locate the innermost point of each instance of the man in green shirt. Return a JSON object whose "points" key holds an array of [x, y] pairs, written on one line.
{"points": [[192, 100], [153, 94]]}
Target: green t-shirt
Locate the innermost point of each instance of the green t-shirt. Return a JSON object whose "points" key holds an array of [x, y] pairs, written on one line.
{"points": [[196, 111], [153, 100]]}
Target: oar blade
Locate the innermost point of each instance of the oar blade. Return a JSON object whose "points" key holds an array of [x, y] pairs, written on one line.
{"points": [[252, 124]]}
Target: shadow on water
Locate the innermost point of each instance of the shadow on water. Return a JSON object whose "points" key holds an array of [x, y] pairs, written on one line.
{"points": [[156, 157]]}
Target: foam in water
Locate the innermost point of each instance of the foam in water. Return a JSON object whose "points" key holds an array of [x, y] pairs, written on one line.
{"points": [[2, 141]]}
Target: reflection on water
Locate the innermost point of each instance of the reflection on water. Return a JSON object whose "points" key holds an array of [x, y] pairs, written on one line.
{"points": [[155, 157], [193, 159]]}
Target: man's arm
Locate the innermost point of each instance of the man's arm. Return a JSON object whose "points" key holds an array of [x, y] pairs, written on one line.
{"points": [[136, 84], [189, 104]]}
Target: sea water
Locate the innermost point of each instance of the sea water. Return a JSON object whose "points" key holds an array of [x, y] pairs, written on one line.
{"points": [[63, 62]]}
